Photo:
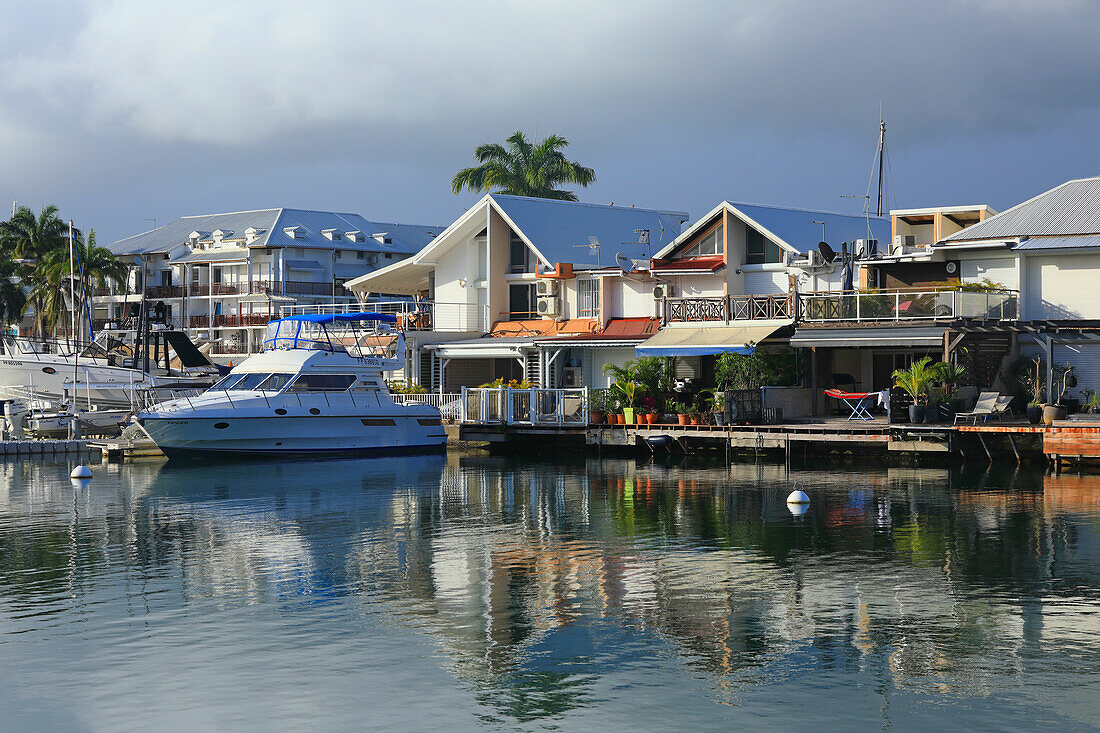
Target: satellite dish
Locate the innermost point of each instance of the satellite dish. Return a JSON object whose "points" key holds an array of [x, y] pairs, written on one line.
{"points": [[625, 263], [826, 251]]}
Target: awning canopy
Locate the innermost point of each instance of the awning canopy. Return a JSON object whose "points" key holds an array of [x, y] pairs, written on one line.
{"points": [[703, 340], [404, 277], [482, 348], [853, 338]]}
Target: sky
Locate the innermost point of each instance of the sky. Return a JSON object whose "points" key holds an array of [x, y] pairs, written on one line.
{"points": [[122, 111]]}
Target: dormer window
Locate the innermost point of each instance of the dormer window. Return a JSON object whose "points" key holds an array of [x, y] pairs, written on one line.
{"points": [[709, 246], [252, 234], [331, 235], [355, 236], [220, 234], [382, 238], [294, 232]]}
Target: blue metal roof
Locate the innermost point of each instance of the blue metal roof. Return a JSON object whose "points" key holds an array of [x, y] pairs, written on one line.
{"points": [[796, 227], [338, 317], [555, 227], [403, 239], [1079, 242]]}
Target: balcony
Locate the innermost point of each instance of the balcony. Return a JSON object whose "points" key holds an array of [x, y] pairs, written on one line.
{"points": [[909, 305], [229, 320], [422, 316], [729, 308]]}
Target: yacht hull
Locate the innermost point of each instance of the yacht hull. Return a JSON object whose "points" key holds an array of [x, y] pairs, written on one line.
{"points": [[179, 437]]}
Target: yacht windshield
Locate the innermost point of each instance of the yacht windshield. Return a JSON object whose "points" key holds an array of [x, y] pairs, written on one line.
{"points": [[226, 382], [322, 383], [249, 382], [275, 382]]}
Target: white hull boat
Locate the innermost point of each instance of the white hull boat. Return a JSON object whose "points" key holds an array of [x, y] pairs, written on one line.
{"points": [[316, 388]]}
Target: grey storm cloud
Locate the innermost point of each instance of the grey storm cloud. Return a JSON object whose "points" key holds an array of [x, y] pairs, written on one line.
{"points": [[120, 86]]}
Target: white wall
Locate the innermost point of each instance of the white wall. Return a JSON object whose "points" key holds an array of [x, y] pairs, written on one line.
{"points": [[975, 266], [592, 361], [768, 282], [1062, 286]]}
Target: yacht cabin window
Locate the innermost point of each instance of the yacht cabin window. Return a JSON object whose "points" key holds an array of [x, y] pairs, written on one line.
{"points": [[322, 383]]}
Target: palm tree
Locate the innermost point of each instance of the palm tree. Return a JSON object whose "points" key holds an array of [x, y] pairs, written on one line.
{"points": [[32, 239], [97, 264], [13, 300], [523, 169]]}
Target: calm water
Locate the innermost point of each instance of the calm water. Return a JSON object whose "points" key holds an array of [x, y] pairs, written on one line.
{"points": [[467, 592]]}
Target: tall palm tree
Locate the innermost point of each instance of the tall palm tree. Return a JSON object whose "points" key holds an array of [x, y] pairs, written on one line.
{"points": [[13, 299], [523, 169], [97, 264], [32, 239]]}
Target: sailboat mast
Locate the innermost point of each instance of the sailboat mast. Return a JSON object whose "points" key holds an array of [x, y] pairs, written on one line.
{"points": [[72, 288], [881, 155]]}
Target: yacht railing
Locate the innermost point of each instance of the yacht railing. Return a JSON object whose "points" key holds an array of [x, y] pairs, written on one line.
{"points": [[533, 406]]}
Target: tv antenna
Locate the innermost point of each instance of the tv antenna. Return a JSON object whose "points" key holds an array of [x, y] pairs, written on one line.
{"points": [[593, 246]]}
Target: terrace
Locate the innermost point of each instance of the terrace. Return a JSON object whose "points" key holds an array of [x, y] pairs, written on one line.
{"points": [[728, 308], [940, 304]]}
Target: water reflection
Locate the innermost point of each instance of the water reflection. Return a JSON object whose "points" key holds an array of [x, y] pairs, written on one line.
{"points": [[547, 590]]}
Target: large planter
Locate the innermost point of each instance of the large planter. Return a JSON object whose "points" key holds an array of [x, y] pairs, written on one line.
{"points": [[1034, 414], [1054, 412], [719, 418], [628, 415], [651, 418], [932, 413], [916, 413], [596, 417]]}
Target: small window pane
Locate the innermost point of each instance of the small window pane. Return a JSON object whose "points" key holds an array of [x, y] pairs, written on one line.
{"points": [[276, 382], [250, 381], [322, 383]]}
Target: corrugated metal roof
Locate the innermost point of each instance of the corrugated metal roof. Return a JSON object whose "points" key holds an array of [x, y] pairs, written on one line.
{"points": [[403, 239], [796, 227], [1071, 208], [1078, 242], [554, 227], [232, 255]]}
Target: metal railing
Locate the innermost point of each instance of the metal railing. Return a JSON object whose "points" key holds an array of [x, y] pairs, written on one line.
{"points": [[229, 320], [449, 404], [729, 308], [534, 406], [422, 316], [909, 305]]}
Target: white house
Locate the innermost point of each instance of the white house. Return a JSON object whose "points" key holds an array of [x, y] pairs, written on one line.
{"points": [[527, 288], [223, 276]]}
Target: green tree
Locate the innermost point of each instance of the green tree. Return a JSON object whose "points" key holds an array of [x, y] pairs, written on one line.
{"points": [[13, 299], [52, 287], [34, 238], [524, 169]]}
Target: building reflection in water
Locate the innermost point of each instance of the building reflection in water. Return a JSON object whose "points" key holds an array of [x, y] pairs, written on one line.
{"points": [[533, 578]]}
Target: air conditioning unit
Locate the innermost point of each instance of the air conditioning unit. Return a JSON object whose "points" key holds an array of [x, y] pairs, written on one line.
{"points": [[865, 247], [545, 287], [548, 306], [662, 291], [901, 241], [372, 258], [571, 377]]}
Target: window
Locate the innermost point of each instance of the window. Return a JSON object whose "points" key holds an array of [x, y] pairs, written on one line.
{"points": [[520, 257], [322, 383], [378, 422], [165, 277], [239, 382], [759, 249], [521, 302], [588, 298], [709, 246], [275, 382], [360, 255]]}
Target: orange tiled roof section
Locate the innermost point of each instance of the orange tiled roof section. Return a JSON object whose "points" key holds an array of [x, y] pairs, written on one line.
{"points": [[545, 327]]}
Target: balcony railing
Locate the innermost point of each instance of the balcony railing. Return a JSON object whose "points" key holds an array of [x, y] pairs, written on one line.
{"points": [[729, 308], [909, 305], [229, 320], [422, 316]]}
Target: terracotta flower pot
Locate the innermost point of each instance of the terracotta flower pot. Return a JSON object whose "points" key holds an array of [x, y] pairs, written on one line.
{"points": [[651, 418], [596, 417], [694, 421], [682, 419]]}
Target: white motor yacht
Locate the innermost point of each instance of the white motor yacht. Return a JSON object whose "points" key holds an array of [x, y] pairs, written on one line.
{"points": [[317, 387]]}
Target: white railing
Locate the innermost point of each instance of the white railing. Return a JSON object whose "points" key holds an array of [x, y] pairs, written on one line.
{"points": [[906, 305], [533, 406], [449, 404], [422, 316]]}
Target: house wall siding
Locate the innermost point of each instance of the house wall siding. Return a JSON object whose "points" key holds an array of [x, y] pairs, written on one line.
{"points": [[1062, 287], [973, 268]]}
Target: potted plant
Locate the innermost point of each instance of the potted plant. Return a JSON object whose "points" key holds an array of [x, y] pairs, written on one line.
{"points": [[681, 412], [914, 381], [1037, 388], [1092, 401], [694, 415], [628, 392], [597, 406], [717, 408], [950, 378], [1059, 411]]}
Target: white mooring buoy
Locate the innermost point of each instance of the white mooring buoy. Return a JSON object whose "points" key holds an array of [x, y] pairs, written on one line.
{"points": [[798, 496], [81, 471]]}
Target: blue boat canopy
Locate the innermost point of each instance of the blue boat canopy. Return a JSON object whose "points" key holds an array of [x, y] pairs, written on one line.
{"points": [[339, 317]]}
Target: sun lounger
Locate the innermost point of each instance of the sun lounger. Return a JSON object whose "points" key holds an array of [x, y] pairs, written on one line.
{"points": [[988, 406]]}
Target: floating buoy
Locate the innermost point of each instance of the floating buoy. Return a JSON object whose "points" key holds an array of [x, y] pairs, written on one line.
{"points": [[80, 483], [798, 509], [81, 472], [798, 496]]}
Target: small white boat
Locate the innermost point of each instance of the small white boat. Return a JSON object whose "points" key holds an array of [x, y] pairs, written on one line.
{"points": [[317, 387]]}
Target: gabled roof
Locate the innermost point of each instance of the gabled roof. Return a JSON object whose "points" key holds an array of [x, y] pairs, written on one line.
{"points": [[1069, 209], [271, 226], [1077, 242], [555, 228], [794, 229]]}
